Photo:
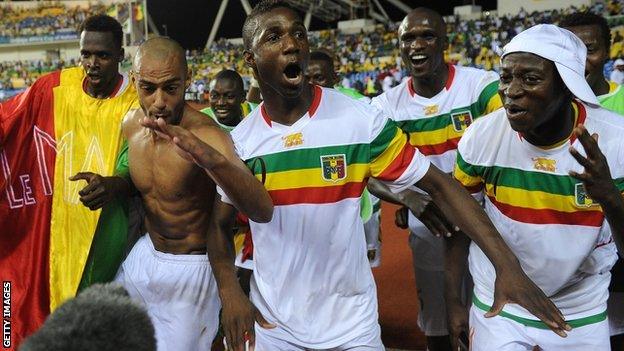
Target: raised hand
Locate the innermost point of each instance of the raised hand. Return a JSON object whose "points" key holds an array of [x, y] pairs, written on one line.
{"points": [[188, 146], [596, 178]]}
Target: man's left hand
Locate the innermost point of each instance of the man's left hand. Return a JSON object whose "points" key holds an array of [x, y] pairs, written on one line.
{"points": [[597, 177], [514, 286]]}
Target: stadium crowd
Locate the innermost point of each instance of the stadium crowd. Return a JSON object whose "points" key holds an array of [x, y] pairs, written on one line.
{"points": [[46, 19], [256, 220], [365, 58]]}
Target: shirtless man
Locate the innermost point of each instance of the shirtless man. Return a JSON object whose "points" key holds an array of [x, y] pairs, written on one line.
{"points": [[176, 156]]}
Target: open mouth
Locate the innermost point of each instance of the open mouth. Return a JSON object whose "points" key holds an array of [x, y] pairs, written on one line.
{"points": [[514, 111], [418, 59], [293, 73], [94, 77], [222, 111]]}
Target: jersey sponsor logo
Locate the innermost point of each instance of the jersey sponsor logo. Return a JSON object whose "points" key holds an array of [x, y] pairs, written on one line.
{"points": [[334, 167], [431, 110], [544, 164], [581, 198], [461, 120], [293, 139]]}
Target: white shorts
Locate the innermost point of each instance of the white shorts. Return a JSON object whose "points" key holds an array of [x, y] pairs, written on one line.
{"points": [[370, 341], [615, 309], [503, 334], [430, 284], [432, 314], [427, 250], [372, 228], [179, 293]]}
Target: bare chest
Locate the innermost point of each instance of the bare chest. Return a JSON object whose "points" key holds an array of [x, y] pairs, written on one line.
{"points": [[158, 171]]}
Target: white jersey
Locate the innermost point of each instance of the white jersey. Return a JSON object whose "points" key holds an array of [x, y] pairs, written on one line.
{"points": [[557, 232], [312, 276], [436, 124]]}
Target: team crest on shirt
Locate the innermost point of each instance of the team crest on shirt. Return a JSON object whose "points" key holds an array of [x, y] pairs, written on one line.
{"points": [[334, 167], [293, 139], [461, 120], [544, 164], [431, 110], [581, 198]]}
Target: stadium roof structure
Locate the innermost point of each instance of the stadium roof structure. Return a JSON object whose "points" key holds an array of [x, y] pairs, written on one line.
{"points": [[325, 10]]}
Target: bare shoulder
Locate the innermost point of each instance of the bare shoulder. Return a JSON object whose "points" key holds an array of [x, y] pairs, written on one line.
{"points": [[131, 122], [203, 127]]}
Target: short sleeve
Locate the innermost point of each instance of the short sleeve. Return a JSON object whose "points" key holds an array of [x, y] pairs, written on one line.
{"points": [[469, 176], [488, 100], [393, 160]]}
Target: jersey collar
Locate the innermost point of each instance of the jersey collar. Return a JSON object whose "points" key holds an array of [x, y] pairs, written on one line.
{"points": [[447, 86], [316, 101]]}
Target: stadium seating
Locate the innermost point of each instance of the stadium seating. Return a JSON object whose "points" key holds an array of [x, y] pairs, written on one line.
{"points": [[364, 57]]}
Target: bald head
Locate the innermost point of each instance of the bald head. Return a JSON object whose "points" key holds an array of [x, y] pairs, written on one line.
{"points": [[423, 16], [161, 76], [160, 49], [422, 41]]}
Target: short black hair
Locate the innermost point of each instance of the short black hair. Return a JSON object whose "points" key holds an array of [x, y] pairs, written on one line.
{"points": [[251, 22], [319, 55], [233, 76], [102, 317], [587, 18], [103, 23]]}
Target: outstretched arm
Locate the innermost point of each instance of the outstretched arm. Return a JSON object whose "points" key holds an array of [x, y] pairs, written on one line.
{"points": [[213, 150], [239, 314], [512, 284]]}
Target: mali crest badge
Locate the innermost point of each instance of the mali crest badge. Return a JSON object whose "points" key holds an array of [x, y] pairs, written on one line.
{"points": [[461, 120], [581, 198], [334, 167]]}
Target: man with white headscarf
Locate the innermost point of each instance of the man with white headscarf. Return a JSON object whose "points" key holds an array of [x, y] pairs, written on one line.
{"points": [[543, 173]]}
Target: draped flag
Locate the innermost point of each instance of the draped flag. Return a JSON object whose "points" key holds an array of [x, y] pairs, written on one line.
{"points": [[47, 134]]}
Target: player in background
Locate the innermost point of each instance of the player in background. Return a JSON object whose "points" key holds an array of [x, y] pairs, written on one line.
{"points": [[227, 100], [321, 71], [594, 32], [434, 106]]}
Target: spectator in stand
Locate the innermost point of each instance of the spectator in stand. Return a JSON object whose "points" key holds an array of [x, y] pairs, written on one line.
{"points": [[617, 76]]}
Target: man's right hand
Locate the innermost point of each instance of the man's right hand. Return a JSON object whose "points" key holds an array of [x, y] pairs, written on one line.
{"points": [[188, 145], [239, 316], [423, 208], [99, 190]]}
